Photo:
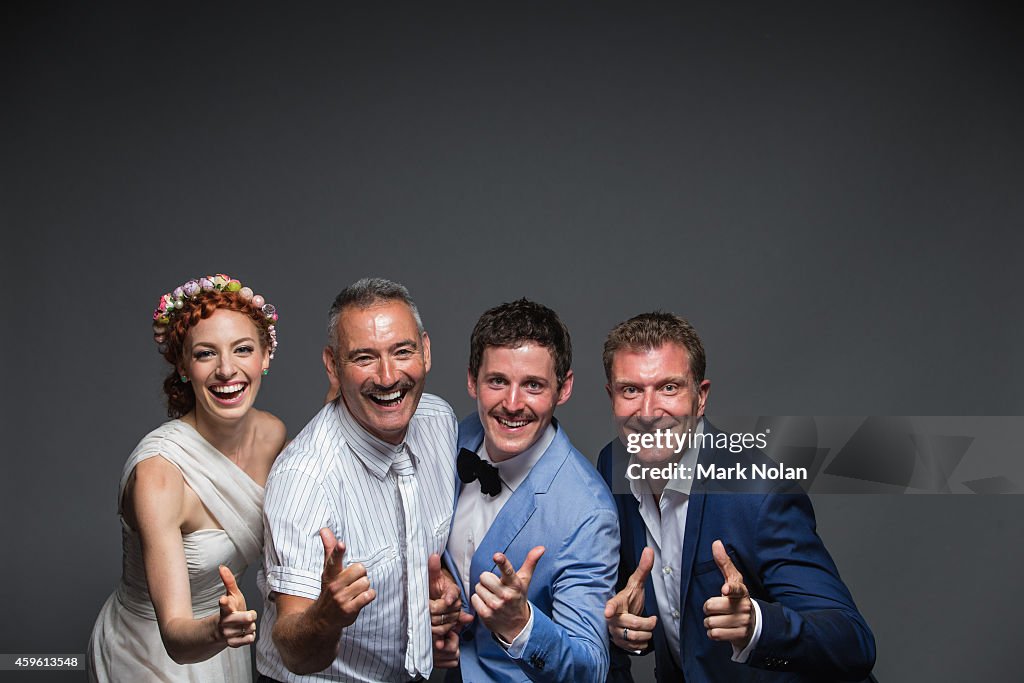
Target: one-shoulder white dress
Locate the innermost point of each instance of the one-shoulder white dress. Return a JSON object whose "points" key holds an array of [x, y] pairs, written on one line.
{"points": [[125, 643]]}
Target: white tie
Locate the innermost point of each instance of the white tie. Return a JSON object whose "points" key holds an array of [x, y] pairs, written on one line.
{"points": [[418, 654]]}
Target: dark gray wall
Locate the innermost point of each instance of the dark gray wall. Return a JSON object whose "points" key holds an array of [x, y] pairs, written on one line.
{"points": [[832, 194]]}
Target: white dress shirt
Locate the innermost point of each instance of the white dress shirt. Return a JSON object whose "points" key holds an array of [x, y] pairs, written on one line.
{"points": [[665, 521], [476, 512], [337, 475]]}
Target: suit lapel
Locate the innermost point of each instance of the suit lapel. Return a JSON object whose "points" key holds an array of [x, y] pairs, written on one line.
{"points": [[519, 508], [635, 529]]}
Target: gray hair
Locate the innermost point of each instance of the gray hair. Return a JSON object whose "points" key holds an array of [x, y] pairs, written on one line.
{"points": [[363, 294]]}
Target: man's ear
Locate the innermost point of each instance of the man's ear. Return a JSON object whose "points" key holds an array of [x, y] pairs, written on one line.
{"points": [[471, 384], [334, 382], [328, 358], [702, 397], [565, 391], [425, 340]]}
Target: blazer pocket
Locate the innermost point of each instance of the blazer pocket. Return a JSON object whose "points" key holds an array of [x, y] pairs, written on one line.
{"points": [[705, 567], [711, 565]]}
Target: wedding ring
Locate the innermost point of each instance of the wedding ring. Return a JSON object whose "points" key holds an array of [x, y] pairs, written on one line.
{"points": [[625, 634]]}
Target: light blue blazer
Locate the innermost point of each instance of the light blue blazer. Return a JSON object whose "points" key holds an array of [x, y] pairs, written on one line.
{"points": [[565, 506]]}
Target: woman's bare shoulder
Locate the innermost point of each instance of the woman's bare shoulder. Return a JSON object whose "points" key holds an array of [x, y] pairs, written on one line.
{"points": [[155, 488], [155, 473], [270, 435]]}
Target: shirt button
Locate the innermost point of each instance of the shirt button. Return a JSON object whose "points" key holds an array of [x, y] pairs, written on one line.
{"points": [[675, 614], [667, 570]]}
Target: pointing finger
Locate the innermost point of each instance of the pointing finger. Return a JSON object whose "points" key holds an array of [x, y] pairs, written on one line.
{"points": [[616, 605], [508, 572], [734, 591], [232, 600]]}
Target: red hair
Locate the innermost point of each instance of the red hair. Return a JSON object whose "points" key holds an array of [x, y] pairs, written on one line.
{"points": [[181, 398]]}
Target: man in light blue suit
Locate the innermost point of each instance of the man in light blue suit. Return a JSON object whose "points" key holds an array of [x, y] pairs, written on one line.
{"points": [[531, 501]]}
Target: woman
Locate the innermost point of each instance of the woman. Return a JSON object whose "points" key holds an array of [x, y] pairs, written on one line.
{"points": [[191, 495]]}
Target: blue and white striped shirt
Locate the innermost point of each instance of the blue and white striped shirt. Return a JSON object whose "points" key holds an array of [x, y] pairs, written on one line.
{"points": [[337, 475]]}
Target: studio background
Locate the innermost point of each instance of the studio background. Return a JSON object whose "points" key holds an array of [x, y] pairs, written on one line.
{"points": [[830, 193]]}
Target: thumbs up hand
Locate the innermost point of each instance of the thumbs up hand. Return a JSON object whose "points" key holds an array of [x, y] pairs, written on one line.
{"points": [[730, 617], [626, 627], [236, 625], [501, 603], [445, 604]]}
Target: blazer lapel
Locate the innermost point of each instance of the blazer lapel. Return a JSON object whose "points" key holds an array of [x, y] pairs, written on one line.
{"points": [[519, 508]]}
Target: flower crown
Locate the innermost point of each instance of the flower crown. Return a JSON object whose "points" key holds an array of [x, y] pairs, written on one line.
{"points": [[172, 302]]}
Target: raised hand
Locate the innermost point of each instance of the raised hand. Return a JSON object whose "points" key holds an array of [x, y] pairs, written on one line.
{"points": [[236, 625], [626, 627], [344, 591], [501, 603], [730, 617]]}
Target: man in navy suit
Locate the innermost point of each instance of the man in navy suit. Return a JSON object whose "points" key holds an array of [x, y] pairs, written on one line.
{"points": [[724, 580], [531, 501]]}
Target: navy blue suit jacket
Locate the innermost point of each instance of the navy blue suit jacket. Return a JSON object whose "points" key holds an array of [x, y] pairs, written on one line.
{"points": [[811, 629]]}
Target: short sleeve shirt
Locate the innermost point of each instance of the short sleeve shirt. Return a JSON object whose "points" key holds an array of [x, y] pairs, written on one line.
{"points": [[337, 475]]}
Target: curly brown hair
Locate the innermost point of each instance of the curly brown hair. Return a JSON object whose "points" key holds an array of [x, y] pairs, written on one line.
{"points": [[181, 397], [518, 322]]}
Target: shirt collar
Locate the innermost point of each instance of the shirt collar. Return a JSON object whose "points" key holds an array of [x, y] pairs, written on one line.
{"points": [[375, 454], [515, 470], [681, 485]]}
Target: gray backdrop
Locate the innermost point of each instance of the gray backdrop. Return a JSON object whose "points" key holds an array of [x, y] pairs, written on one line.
{"points": [[831, 193]]}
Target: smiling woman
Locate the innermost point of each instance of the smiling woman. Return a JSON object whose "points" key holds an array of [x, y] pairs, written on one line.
{"points": [[191, 495], [177, 322]]}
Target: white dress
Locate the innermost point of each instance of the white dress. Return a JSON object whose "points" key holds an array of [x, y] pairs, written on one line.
{"points": [[125, 643]]}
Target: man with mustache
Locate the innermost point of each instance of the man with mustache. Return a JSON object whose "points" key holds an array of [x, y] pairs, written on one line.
{"points": [[725, 581], [356, 503], [534, 543]]}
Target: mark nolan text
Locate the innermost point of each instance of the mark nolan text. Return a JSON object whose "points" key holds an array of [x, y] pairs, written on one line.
{"points": [[713, 471]]}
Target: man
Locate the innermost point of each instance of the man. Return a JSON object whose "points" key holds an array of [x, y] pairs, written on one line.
{"points": [[357, 502], [534, 542], [725, 582]]}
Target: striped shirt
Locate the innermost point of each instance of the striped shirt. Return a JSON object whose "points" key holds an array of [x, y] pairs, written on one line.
{"points": [[337, 475]]}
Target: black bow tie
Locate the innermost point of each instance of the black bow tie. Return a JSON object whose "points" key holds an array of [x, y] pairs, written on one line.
{"points": [[472, 467]]}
